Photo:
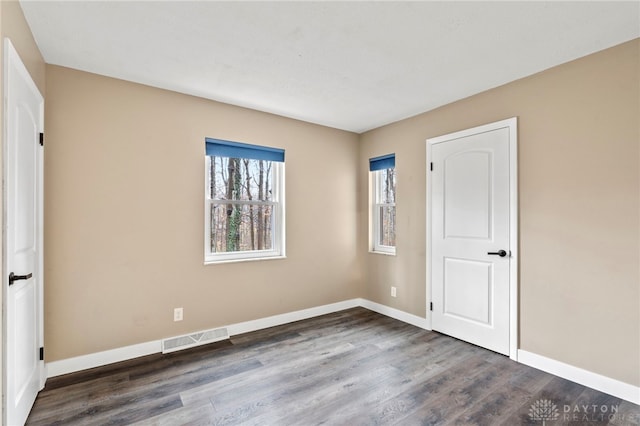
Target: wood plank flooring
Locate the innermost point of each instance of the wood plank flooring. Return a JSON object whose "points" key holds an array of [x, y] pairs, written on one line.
{"points": [[353, 367]]}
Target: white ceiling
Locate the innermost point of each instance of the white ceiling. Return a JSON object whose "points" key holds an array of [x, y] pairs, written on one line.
{"points": [[348, 65]]}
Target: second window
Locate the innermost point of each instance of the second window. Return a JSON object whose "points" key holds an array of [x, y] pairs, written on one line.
{"points": [[383, 214]]}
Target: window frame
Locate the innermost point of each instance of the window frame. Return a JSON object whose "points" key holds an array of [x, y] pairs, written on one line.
{"points": [[376, 177], [277, 250]]}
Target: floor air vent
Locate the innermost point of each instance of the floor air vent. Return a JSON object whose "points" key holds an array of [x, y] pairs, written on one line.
{"points": [[177, 343]]}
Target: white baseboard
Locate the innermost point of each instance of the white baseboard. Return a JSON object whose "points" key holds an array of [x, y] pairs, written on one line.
{"points": [[584, 377], [98, 359], [587, 378], [395, 313], [262, 323]]}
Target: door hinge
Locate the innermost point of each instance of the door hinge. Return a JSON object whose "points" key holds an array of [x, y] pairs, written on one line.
{"points": [[431, 306], [42, 354], [41, 139], [431, 166]]}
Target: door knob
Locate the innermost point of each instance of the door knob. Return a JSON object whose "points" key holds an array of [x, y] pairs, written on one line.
{"points": [[500, 253], [13, 277]]}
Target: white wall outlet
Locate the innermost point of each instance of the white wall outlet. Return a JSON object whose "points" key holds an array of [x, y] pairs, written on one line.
{"points": [[393, 291], [177, 314]]}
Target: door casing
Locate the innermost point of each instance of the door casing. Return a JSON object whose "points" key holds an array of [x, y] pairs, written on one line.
{"points": [[512, 125]]}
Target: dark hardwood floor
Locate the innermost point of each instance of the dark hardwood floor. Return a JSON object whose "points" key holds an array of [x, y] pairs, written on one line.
{"points": [[353, 367]]}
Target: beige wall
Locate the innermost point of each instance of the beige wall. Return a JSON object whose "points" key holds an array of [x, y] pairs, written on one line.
{"points": [[124, 184], [579, 189], [14, 26]]}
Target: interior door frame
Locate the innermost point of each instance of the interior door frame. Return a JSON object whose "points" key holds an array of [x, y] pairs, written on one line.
{"points": [[10, 51], [512, 125]]}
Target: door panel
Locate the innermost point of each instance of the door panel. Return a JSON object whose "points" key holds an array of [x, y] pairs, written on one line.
{"points": [[467, 195], [468, 290], [23, 249], [23, 189], [470, 217]]}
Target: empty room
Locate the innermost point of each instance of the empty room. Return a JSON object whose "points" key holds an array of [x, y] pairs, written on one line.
{"points": [[300, 213]]}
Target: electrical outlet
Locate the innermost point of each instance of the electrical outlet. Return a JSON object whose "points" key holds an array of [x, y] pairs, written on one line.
{"points": [[393, 291], [177, 314]]}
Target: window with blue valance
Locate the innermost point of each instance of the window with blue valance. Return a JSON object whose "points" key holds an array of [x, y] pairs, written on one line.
{"points": [[222, 148], [382, 162], [383, 204], [244, 202]]}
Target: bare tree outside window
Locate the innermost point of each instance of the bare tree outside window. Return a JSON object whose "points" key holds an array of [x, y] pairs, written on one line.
{"points": [[388, 207], [384, 186], [241, 204]]}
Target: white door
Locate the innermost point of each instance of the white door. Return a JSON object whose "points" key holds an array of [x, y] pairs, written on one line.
{"points": [[471, 240], [23, 192]]}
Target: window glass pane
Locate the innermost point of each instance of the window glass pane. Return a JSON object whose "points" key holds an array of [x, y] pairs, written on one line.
{"points": [[387, 186], [241, 227], [387, 226], [240, 179]]}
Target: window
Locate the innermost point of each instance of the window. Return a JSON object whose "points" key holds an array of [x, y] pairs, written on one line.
{"points": [[244, 207], [383, 206]]}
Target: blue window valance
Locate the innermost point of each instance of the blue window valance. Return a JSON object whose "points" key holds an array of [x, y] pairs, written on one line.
{"points": [[383, 162], [222, 148]]}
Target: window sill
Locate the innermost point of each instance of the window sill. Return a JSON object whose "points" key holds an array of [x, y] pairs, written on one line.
{"points": [[247, 259], [384, 253]]}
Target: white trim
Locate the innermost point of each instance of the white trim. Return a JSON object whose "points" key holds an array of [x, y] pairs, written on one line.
{"points": [[382, 253], [395, 313], [428, 235], [259, 324], [593, 380], [98, 359], [247, 259], [514, 246], [584, 377], [512, 125]]}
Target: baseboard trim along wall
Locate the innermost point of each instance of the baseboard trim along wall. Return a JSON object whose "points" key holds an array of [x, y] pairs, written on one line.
{"points": [[593, 380], [98, 359], [584, 377], [395, 313], [262, 323]]}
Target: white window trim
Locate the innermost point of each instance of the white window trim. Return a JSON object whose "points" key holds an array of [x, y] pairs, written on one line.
{"points": [[278, 250], [374, 232]]}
